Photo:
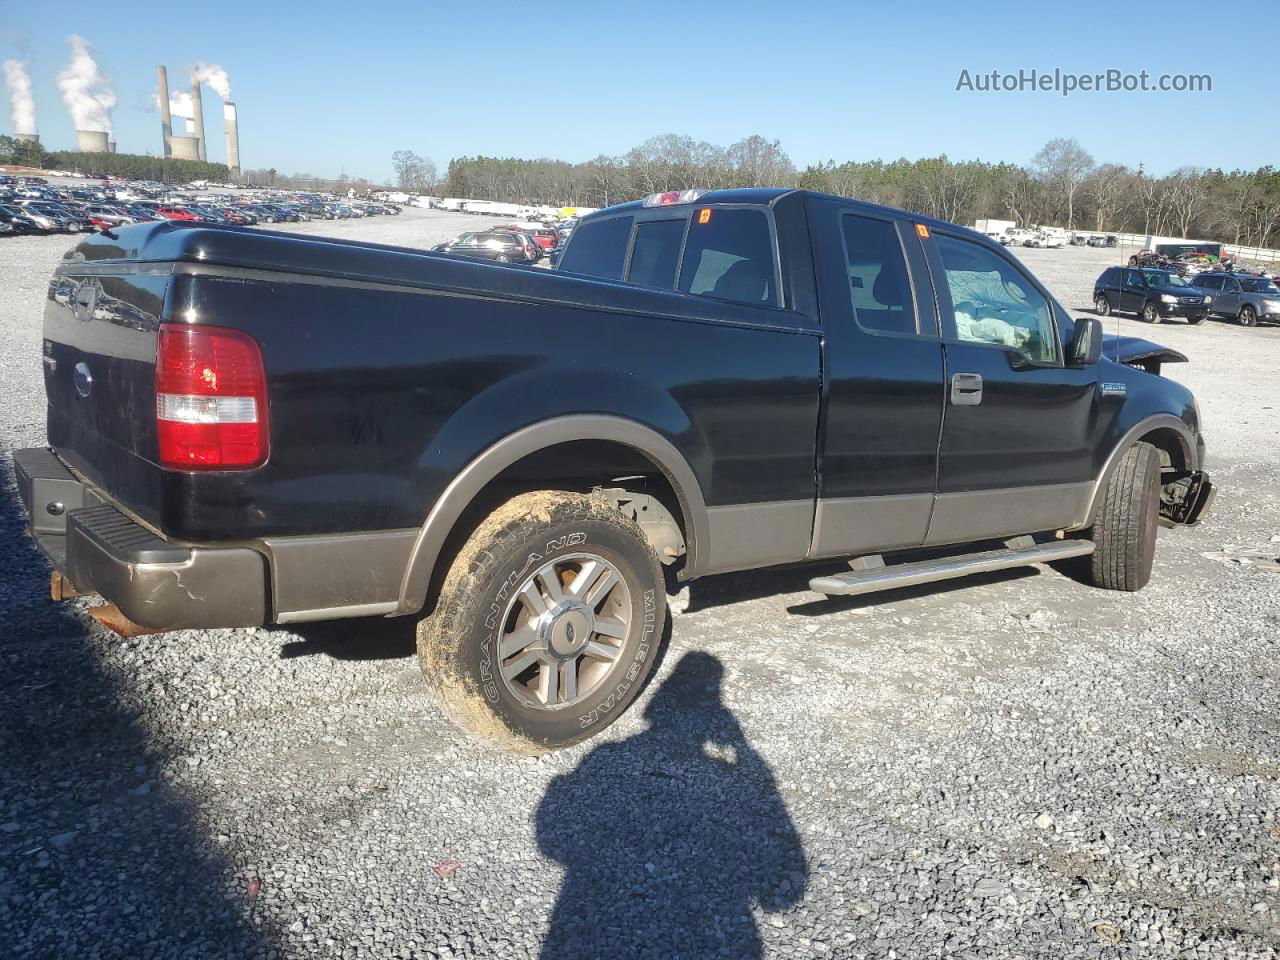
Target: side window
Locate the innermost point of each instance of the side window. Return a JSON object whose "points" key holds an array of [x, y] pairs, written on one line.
{"points": [[655, 254], [1210, 283], [878, 281], [598, 248], [994, 302], [729, 256], [1132, 278]]}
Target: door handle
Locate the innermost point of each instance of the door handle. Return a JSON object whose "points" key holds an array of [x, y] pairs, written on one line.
{"points": [[966, 389]]}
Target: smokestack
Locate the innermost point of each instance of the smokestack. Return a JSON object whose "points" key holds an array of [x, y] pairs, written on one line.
{"points": [[197, 113], [166, 122], [92, 141], [233, 136], [27, 137]]}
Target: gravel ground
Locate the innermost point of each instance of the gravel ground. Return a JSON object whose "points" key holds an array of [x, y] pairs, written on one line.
{"points": [[1014, 766]]}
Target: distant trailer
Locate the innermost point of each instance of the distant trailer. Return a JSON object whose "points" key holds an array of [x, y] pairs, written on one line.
{"points": [[1177, 246]]}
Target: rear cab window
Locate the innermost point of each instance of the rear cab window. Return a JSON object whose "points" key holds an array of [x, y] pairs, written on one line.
{"points": [[655, 253], [599, 248]]}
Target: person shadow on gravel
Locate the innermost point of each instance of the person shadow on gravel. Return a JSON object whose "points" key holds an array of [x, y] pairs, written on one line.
{"points": [[669, 837]]}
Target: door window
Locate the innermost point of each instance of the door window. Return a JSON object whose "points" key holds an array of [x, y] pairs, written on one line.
{"points": [[1132, 278], [729, 256], [1209, 283], [878, 281], [995, 303]]}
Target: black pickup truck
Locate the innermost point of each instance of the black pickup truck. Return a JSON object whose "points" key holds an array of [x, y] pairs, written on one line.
{"points": [[254, 428]]}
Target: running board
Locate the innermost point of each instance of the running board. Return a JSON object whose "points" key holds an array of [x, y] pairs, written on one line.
{"points": [[871, 574]]}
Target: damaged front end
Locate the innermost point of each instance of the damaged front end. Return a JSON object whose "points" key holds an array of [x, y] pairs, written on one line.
{"points": [[1143, 354], [1185, 497]]}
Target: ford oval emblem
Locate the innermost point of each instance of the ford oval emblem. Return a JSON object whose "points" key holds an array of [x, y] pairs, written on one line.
{"points": [[83, 379]]}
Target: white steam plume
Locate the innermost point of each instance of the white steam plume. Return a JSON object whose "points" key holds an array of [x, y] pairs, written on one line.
{"points": [[214, 76], [179, 103], [85, 89], [18, 82]]}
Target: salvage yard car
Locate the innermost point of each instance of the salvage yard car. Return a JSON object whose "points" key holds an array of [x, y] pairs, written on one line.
{"points": [[253, 428], [1243, 297], [1152, 294]]}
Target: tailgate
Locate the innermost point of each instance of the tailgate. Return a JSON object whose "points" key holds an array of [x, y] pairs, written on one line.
{"points": [[99, 371]]}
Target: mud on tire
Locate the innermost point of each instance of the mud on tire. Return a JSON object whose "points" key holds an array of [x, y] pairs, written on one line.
{"points": [[1127, 520], [578, 581]]}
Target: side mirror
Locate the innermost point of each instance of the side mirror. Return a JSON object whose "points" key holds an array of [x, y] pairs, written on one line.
{"points": [[1086, 342]]}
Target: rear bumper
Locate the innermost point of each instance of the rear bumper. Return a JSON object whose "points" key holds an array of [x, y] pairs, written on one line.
{"points": [[155, 582]]}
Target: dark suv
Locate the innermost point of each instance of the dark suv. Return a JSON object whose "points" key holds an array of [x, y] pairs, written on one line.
{"points": [[1244, 297], [1151, 294]]}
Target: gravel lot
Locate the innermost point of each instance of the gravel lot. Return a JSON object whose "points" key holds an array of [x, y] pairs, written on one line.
{"points": [[1013, 766]]}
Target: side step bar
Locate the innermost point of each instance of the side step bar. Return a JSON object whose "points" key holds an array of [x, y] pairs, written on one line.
{"points": [[871, 574]]}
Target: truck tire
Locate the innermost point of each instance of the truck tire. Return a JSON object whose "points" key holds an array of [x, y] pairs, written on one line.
{"points": [[1128, 517], [547, 624]]}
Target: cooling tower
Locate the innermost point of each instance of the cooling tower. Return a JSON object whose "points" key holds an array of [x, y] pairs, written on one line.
{"points": [[92, 141], [184, 148], [27, 137]]}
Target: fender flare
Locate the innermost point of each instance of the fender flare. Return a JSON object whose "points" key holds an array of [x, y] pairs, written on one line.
{"points": [[1190, 452], [464, 487]]}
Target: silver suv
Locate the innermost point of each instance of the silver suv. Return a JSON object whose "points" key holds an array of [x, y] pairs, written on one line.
{"points": [[1244, 297]]}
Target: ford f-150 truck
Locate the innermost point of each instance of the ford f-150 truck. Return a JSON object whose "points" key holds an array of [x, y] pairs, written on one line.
{"points": [[253, 428]]}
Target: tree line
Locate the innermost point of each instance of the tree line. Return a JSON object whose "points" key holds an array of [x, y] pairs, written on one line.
{"points": [[1062, 185], [140, 166]]}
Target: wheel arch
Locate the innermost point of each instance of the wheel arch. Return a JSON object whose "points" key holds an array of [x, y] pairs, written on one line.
{"points": [[1168, 434], [469, 487]]}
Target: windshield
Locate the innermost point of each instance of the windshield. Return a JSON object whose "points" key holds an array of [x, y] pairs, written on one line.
{"points": [[1261, 285], [1159, 278]]}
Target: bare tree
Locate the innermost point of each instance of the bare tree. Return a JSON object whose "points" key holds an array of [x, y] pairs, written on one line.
{"points": [[1065, 164]]}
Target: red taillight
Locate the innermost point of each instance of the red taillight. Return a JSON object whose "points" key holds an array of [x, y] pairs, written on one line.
{"points": [[211, 399]]}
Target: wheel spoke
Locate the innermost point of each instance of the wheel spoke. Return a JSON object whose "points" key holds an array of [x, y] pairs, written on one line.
{"points": [[610, 627], [591, 571], [515, 641], [602, 650], [601, 589], [550, 581], [533, 598], [549, 683], [569, 682], [520, 664]]}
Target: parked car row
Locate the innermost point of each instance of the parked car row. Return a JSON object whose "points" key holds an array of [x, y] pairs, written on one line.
{"points": [[1156, 294], [29, 205]]}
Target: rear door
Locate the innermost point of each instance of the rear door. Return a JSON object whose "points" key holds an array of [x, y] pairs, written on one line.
{"points": [[1229, 304], [1017, 438], [882, 382]]}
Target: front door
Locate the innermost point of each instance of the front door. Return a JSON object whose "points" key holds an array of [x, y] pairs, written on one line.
{"points": [[1017, 439], [882, 382]]}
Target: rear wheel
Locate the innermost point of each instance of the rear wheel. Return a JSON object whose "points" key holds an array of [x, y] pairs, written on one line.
{"points": [[1248, 316], [547, 624], [1102, 306], [1125, 526], [1150, 313]]}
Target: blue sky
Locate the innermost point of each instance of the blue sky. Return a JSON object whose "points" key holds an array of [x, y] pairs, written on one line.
{"points": [[327, 87]]}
